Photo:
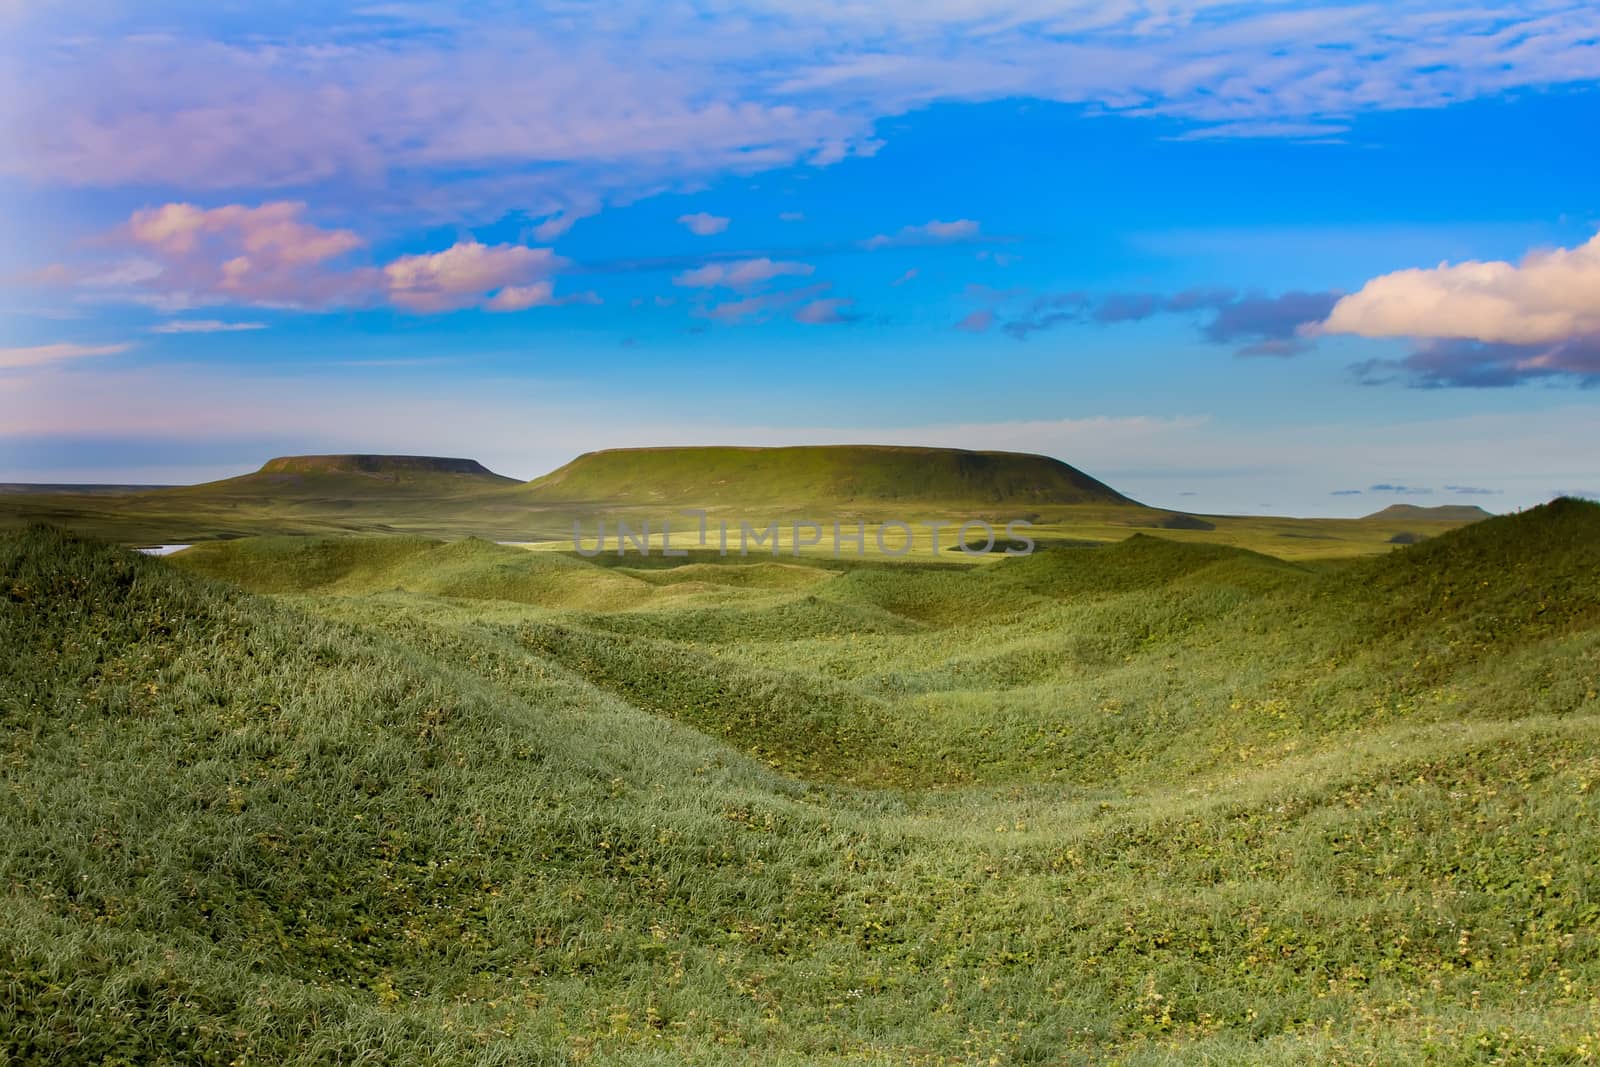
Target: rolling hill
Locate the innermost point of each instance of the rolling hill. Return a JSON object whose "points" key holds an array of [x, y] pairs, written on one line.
{"points": [[1149, 803]]}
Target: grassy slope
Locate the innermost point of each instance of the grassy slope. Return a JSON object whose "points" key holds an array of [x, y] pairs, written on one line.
{"points": [[1153, 803]]}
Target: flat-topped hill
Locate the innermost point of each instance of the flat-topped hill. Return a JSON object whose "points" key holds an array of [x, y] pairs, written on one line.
{"points": [[355, 476], [812, 474], [372, 464], [1443, 513]]}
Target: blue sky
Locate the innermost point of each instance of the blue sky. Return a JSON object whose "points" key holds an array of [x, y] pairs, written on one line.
{"points": [[1228, 257]]}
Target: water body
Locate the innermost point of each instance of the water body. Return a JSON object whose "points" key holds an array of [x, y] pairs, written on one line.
{"points": [[161, 550]]}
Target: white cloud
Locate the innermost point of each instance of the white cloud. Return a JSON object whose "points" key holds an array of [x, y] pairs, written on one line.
{"points": [[1550, 297], [703, 224], [205, 326], [41, 355]]}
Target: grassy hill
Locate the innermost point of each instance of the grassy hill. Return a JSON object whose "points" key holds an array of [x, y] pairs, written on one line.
{"points": [[1454, 513], [1154, 802], [290, 494], [352, 477], [821, 475]]}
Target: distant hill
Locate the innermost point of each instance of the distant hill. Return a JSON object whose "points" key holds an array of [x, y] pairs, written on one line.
{"points": [[74, 488], [398, 466], [356, 475], [1444, 513], [818, 474]]}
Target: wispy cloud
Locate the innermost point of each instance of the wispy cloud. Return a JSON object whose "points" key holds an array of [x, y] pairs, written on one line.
{"points": [[703, 224], [1261, 325], [1399, 490], [205, 326], [40, 355], [741, 274], [1457, 364], [763, 305], [976, 321], [929, 233], [532, 106], [827, 312]]}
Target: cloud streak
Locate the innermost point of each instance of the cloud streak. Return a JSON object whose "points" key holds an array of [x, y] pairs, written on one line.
{"points": [[933, 232], [1259, 324], [43, 355], [185, 326], [741, 274]]}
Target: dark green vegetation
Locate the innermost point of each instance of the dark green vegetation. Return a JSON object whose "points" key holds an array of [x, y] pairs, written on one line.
{"points": [[454, 498], [1153, 802]]}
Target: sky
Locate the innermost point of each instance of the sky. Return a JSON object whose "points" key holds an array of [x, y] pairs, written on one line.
{"points": [[1227, 257]]}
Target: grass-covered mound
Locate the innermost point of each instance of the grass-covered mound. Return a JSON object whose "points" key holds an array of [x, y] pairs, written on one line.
{"points": [[819, 476], [1173, 806]]}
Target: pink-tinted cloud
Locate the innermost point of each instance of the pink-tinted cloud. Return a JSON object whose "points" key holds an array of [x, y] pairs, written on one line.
{"points": [[703, 224], [740, 274], [273, 229], [462, 274], [271, 256], [267, 255]]}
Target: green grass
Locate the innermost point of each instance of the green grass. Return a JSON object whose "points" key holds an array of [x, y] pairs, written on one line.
{"points": [[390, 800]]}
